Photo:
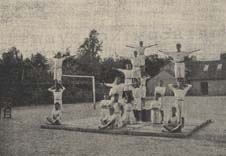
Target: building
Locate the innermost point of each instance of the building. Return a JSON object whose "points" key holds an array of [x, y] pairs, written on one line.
{"points": [[165, 77], [206, 77]]}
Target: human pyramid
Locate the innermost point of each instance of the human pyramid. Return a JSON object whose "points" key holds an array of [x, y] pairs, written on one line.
{"points": [[57, 89], [125, 101]]}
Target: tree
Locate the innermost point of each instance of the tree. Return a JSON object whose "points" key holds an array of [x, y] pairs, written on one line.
{"points": [[39, 61], [89, 60], [154, 64]]}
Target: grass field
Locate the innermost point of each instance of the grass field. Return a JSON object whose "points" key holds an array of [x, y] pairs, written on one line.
{"points": [[22, 136]]}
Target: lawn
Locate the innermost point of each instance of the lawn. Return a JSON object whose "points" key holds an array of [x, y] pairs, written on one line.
{"points": [[22, 136]]}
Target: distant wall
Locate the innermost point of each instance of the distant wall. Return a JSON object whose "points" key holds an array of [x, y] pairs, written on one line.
{"points": [[165, 77], [215, 88]]}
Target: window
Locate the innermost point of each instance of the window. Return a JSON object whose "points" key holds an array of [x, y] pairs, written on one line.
{"points": [[206, 67], [219, 67], [204, 88]]}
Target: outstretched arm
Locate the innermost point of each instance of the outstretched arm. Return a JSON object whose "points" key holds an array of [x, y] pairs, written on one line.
{"points": [[118, 69], [65, 57], [127, 57], [130, 46], [150, 46], [164, 53], [194, 51], [108, 84]]}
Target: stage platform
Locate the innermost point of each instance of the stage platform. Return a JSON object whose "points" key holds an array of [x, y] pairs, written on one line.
{"points": [[90, 125]]}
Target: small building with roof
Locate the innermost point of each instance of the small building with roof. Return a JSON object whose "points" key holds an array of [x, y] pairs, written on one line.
{"points": [[206, 77]]}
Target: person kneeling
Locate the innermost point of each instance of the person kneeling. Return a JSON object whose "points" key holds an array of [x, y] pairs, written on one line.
{"points": [[104, 109], [174, 125], [116, 111], [56, 115]]}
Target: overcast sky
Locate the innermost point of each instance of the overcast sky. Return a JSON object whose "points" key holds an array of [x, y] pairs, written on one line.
{"points": [[53, 25]]}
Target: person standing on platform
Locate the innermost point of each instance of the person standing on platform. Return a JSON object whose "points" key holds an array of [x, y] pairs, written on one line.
{"points": [[137, 94], [57, 94], [179, 61], [180, 91]]}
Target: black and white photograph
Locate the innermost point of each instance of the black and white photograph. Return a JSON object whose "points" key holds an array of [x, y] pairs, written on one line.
{"points": [[112, 78]]}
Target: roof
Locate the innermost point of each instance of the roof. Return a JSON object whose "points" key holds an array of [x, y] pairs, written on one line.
{"points": [[206, 70], [214, 70]]}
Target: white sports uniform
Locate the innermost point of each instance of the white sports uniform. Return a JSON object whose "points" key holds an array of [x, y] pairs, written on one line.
{"points": [[140, 50], [142, 60], [128, 116], [104, 111], [117, 115], [137, 94], [56, 115], [136, 67], [143, 86], [179, 66], [161, 91], [135, 62], [156, 104], [117, 89], [57, 95], [58, 68], [128, 78], [179, 97]]}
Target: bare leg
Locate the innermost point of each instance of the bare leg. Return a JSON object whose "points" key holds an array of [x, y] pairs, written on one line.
{"points": [[55, 83], [180, 103], [143, 73]]}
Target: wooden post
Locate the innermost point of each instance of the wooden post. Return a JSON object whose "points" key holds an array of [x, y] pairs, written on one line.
{"points": [[94, 93]]}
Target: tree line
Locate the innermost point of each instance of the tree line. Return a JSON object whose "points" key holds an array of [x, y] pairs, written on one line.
{"points": [[26, 80]]}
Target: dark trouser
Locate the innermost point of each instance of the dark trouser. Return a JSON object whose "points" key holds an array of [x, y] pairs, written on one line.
{"points": [[138, 115]]}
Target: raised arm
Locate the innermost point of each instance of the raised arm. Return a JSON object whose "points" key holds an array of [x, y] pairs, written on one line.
{"points": [[63, 88], [155, 92], [171, 87], [150, 46], [187, 88], [51, 89]]}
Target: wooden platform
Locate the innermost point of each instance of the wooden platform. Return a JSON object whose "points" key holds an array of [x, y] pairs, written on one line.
{"points": [[90, 125]]}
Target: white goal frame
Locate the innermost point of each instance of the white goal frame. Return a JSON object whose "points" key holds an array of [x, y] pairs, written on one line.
{"points": [[93, 85]]}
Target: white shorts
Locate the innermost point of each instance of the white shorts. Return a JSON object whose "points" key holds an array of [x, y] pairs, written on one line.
{"points": [[58, 74], [179, 69], [142, 60], [137, 104], [128, 84], [144, 91]]}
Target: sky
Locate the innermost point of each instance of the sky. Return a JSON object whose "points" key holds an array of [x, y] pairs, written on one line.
{"points": [[48, 26]]}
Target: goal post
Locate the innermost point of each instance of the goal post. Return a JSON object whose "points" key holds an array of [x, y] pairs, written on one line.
{"points": [[93, 85]]}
